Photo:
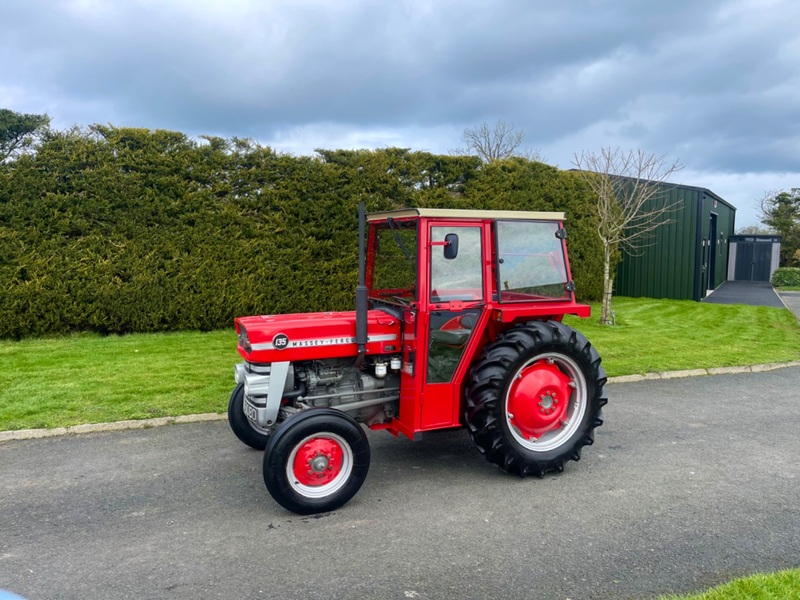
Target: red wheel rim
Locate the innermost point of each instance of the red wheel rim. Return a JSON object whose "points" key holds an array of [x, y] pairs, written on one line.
{"points": [[546, 401], [317, 462], [320, 465]]}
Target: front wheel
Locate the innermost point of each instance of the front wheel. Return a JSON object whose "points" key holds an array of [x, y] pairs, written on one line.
{"points": [[535, 398], [252, 435], [316, 461]]}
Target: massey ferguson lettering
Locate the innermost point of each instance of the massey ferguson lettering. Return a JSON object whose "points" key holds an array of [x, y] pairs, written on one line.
{"points": [[322, 342]]}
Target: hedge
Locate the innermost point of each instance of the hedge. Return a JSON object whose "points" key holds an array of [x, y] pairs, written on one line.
{"points": [[786, 277], [119, 230]]}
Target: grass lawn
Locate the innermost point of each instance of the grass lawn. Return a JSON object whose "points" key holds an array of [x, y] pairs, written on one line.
{"points": [[669, 335], [783, 585], [89, 379], [63, 381]]}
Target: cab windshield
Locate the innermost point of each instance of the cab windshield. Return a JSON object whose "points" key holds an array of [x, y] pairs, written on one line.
{"points": [[394, 262], [530, 261]]}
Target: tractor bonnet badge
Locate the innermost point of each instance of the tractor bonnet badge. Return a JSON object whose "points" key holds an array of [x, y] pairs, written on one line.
{"points": [[280, 341]]}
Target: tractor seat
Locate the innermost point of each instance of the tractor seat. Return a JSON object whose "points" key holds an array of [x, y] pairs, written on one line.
{"points": [[469, 320], [450, 337]]}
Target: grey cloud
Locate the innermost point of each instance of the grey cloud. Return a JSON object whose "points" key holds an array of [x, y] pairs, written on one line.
{"points": [[714, 80]]}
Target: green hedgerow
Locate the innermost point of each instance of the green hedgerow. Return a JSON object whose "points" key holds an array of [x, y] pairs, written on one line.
{"points": [[786, 277]]}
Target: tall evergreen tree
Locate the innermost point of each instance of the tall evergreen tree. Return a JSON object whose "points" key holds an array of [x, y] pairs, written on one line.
{"points": [[18, 131], [781, 212]]}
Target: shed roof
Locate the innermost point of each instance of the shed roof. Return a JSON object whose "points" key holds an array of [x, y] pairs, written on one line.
{"points": [[683, 186]]}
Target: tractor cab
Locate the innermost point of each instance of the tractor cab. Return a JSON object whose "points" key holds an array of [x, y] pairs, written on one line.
{"points": [[457, 278]]}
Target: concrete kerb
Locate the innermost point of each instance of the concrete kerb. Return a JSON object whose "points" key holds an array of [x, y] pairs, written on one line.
{"points": [[30, 434], [703, 372]]}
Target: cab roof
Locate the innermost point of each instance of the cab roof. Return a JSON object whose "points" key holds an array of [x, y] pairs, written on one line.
{"points": [[450, 213]]}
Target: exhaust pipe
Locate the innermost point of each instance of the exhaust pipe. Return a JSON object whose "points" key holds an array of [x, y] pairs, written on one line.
{"points": [[361, 290]]}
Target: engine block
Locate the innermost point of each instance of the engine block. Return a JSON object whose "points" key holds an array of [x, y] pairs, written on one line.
{"points": [[369, 393], [337, 383]]}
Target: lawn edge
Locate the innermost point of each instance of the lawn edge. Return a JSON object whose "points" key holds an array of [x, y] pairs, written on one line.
{"points": [[30, 434], [703, 372]]}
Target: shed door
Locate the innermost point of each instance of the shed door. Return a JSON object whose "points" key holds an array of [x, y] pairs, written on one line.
{"points": [[713, 250], [762, 259], [744, 261], [753, 261]]}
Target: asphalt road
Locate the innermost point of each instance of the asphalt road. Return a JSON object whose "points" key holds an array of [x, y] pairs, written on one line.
{"points": [[690, 483]]}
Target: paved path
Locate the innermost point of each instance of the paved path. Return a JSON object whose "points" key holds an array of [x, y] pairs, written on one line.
{"points": [[753, 293], [691, 482], [792, 302]]}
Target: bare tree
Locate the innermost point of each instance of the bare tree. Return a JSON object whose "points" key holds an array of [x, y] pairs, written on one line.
{"points": [[755, 230], [492, 142], [631, 204]]}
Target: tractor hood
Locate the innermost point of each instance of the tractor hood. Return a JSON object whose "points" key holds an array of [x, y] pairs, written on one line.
{"points": [[313, 336]]}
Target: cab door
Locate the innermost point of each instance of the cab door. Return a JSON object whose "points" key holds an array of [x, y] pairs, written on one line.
{"points": [[454, 298]]}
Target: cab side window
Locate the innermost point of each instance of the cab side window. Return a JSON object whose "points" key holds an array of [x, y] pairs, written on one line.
{"points": [[458, 278]]}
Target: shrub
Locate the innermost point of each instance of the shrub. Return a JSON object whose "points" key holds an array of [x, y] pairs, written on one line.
{"points": [[786, 277]]}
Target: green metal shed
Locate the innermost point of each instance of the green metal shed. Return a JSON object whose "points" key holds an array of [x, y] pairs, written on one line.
{"points": [[687, 256]]}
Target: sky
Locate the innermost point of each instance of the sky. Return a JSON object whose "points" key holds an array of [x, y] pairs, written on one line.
{"points": [[711, 84]]}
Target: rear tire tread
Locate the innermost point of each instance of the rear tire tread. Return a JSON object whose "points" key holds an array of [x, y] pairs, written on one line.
{"points": [[489, 379]]}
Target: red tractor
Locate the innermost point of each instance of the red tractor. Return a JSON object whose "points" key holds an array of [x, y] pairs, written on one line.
{"points": [[457, 323]]}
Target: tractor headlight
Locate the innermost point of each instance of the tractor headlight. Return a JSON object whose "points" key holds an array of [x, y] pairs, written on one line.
{"points": [[239, 372], [256, 385], [244, 342]]}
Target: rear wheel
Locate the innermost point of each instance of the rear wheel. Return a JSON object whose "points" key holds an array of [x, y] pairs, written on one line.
{"points": [[316, 461], [535, 398], [252, 435]]}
